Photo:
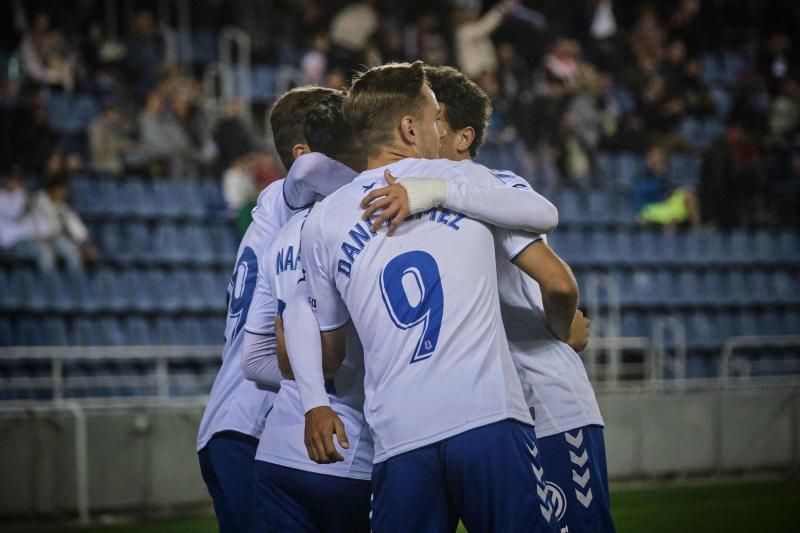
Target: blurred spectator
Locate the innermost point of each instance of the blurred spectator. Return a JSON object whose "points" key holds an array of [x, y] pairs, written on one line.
{"points": [[232, 136], [110, 141], [657, 202], [162, 139], [353, 26], [18, 235], [784, 112], [61, 231], [32, 137], [239, 191], [315, 62], [145, 53], [44, 56], [473, 46]]}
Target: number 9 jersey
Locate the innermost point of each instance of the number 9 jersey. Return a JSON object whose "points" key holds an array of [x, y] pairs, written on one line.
{"points": [[425, 305]]}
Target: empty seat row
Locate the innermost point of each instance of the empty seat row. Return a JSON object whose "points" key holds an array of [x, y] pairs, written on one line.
{"points": [[107, 196], [129, 290], [671, 288], [111, 331], [709, 330], [699, 248], [166, 242]]}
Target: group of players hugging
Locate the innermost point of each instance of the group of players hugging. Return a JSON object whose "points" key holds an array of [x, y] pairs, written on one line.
{"points": [[401, 347]]}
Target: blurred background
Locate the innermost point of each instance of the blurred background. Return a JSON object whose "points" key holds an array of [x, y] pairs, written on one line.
{"points": [[134, 141]]}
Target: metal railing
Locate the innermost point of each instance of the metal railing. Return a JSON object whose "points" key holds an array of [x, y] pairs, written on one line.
{"points": [[60, 384], [743, 368]]}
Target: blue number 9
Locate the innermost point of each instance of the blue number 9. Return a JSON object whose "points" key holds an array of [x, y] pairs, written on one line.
{"points": [[418, 272]]}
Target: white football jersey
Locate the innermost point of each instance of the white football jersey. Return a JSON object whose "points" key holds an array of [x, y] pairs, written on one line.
{"points": [[425, 305], [286, 422], [553, 377], [234, 403]]}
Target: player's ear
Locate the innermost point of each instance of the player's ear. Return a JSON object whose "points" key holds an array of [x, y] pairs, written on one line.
{"points": [[407, 130], [465, 138], [300, 149]]}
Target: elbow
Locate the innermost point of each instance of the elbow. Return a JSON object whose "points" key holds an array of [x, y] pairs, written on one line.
{"points": [[563, 288], [551, 213]]}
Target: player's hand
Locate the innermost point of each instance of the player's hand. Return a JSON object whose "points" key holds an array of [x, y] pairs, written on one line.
{"points": [[284, 365], [390, 202], [321, 424], [579, 332]]}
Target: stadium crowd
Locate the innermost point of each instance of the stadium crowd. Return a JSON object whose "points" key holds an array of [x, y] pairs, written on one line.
{"points": [[570, 84]]}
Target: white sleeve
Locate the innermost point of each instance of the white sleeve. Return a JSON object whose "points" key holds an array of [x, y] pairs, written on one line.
{"points": [[500, 199], [260, 361], [325, 299], [305, 349], [511, 243], [313, 175]]}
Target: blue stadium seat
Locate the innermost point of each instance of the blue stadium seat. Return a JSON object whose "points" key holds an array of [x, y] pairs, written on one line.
{"points": [[8, 294], [687, 288], [628, 249], [198, 245], [652, 247], [110, 240], [83, 196], [168, 295], [30, 332], [166, 194], [702, 330], [568, 244], [629, 167], [55, 332], [263, 83], [785, 287], [165, 331], [212, 196], [7, 337], [765, 249], [789, 246], [139, 197], [214, 330], [571, 209], [211, 291], [109, 331], [138, 331], [739, 247], [601, 247], [746, 323], [634, 324], [760, 287], [108, 287], [166, 243], [86, 333], [29, 292], [738, 291], [188, 289], [684, 169], [771, 322], [643, 287], [225, 243], [791, 322], [601, 208]]}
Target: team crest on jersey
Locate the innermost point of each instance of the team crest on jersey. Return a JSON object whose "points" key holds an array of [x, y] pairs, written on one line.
{"points": [[557, 499]]}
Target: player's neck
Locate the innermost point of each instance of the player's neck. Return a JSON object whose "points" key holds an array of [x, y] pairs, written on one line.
{"points": [[388, 156]]}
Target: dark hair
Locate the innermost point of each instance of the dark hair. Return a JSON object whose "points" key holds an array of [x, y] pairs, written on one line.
{"points": [[287, 117], [381, 95], [325, 128], [466, 104]]}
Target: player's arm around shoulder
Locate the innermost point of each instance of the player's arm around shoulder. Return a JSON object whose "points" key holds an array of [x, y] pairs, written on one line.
{"points": [[467, 188]]}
